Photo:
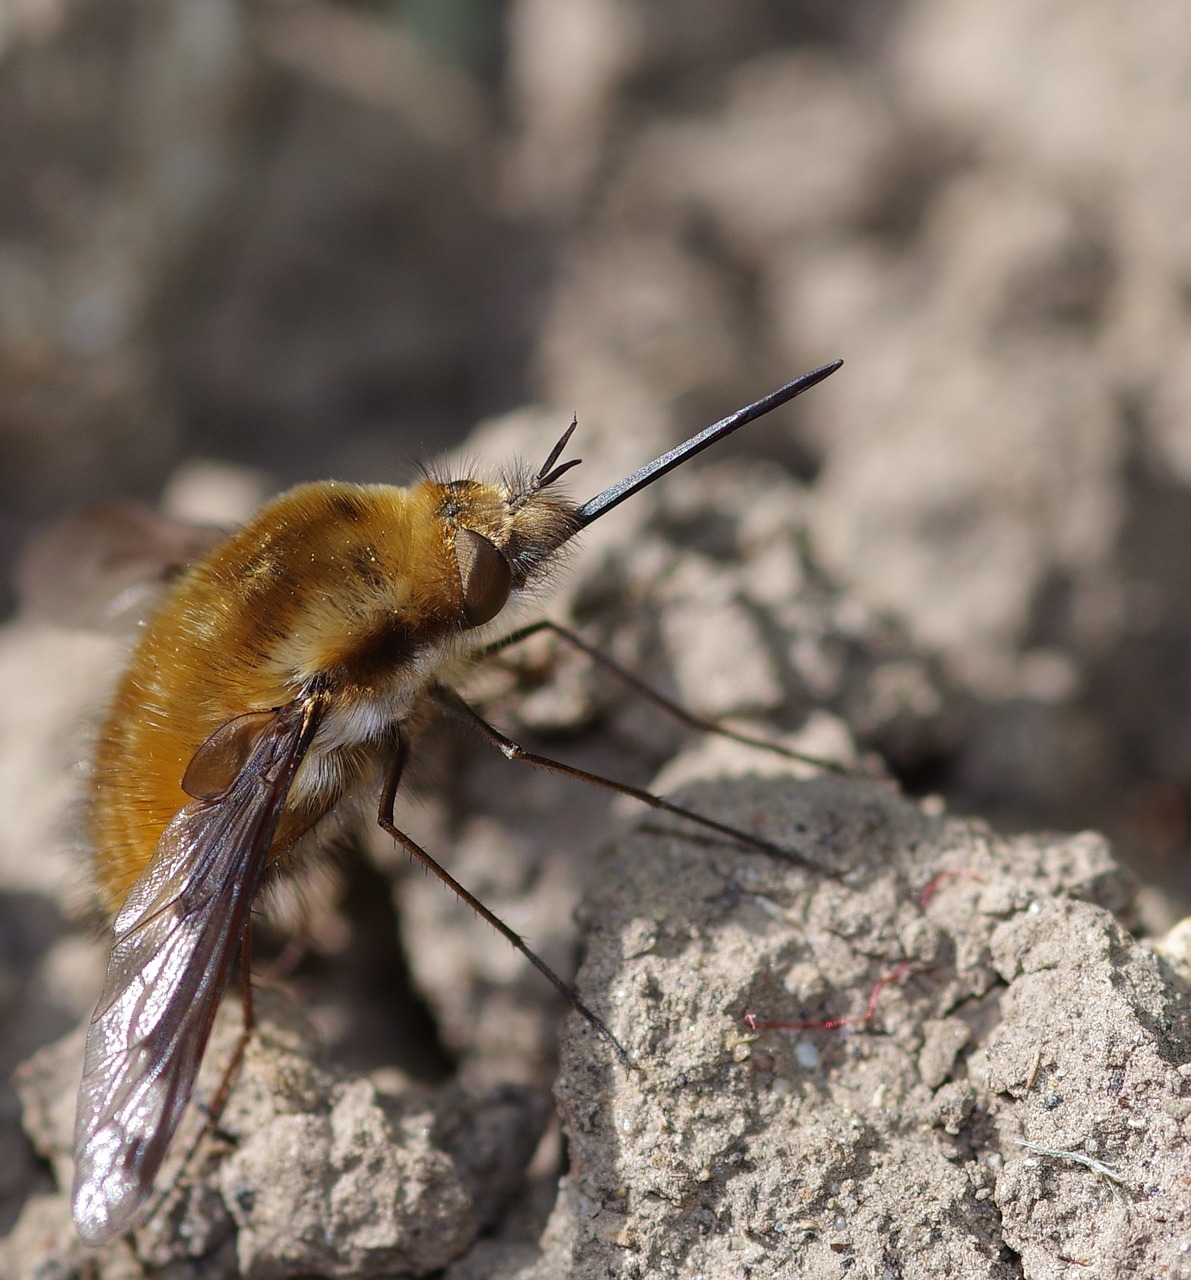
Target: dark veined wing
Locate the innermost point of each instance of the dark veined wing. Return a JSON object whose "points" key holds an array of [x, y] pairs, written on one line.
{"points": [[173, 946]]}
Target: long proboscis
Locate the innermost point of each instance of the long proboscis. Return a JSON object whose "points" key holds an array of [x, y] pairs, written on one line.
{"points": [[602, 503]]}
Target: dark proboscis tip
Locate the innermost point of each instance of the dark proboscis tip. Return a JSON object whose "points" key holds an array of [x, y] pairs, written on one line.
{"points": [[617, 493]]}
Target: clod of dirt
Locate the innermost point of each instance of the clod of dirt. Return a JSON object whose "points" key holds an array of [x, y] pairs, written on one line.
{"points": [[310, 1172], [1017, 1101]]}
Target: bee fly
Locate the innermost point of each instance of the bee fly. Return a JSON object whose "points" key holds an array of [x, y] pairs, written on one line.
{"points": [[279, 668]]}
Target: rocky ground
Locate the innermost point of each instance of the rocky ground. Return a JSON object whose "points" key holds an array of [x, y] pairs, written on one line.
{"points": [[244, 245]]}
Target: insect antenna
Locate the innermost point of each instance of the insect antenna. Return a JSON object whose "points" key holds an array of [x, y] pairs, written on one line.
{"points": [[545, 476], [617, 493]]}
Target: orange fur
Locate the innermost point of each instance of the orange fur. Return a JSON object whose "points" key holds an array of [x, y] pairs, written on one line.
{"points": [[356, 583]]}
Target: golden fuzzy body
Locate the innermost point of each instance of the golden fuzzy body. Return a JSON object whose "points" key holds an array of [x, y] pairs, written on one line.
{"points": [[360, 586]]}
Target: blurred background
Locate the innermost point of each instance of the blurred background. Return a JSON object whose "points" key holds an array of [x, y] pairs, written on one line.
{"points": [[317, 238]]}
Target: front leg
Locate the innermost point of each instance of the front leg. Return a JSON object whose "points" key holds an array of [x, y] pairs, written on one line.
{"points": [[668, 705], [385, 821], [466, 714]]}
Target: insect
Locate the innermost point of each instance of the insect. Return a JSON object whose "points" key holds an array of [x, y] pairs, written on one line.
{"points": [[276, 673]]}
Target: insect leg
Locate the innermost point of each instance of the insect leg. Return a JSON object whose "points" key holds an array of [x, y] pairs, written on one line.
{"points": [[672, 708], [451, 702], [219, 1101], [233, 1066], [384, 819]]}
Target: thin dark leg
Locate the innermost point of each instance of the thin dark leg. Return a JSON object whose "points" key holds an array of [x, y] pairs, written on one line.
{"points": [[233, 1066], [455, 705], [675, 709], [384, 819], [219, 1101]]}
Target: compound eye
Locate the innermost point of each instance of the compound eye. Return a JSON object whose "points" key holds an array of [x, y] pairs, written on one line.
{"points": [[485, 576]]}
